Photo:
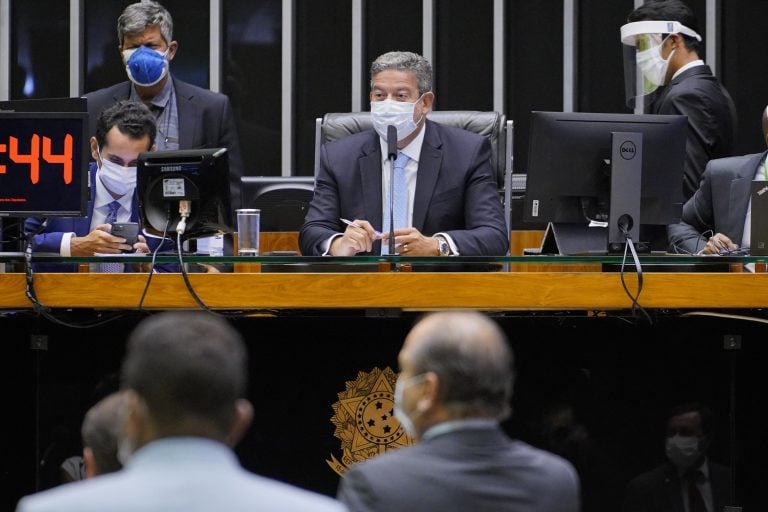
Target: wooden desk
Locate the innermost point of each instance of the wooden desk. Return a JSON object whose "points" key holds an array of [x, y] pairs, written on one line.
{"points": [[407, 290]]}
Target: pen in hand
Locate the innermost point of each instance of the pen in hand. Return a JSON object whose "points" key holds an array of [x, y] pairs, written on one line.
{"points": [[356, 225]]}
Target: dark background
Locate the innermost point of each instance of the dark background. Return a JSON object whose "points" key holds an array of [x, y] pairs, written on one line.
{"points": [[321, 60], [617, 375]]}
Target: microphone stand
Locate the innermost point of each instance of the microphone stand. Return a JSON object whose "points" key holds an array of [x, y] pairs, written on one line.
{"points": [[391, 155]]}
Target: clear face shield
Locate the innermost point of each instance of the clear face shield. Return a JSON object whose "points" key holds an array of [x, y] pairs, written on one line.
{"points": [[645, 69]]}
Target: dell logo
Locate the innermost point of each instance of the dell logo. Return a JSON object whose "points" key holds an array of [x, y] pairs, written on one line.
{"points": [[627, 150]]}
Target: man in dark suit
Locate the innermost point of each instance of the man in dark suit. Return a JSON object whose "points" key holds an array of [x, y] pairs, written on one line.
{"points": [[688, 481], [450, 200], [454, 387], [715, 219], [676, 81], [188, 117]]}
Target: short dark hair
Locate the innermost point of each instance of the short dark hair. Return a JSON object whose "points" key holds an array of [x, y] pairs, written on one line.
{"points": [[131, 118], [190, 368], [669, 10], [705, 413], [100, 431]]}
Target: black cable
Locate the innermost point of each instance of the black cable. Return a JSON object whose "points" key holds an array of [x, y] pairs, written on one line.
{"points": [[636, 307], [154, 259], [39, 307]]}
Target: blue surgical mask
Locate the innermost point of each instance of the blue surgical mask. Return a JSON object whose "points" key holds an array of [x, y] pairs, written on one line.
{"points": [[396, 113], [145, 66], [118, 179]]}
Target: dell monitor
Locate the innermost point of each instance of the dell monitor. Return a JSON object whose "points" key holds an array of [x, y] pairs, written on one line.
{"points": [[600, 177], [43, 158], [283, 200], [193, 182]]}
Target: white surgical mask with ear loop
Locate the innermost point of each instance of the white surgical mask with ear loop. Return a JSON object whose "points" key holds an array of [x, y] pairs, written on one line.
{"points": [[396, 113], [683, 451], [653, 65], [405, 420], [118, 179]]}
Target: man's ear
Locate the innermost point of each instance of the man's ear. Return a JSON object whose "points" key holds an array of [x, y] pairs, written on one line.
{"points": [[428, 100], [90, 463], [94, 149], [173, 47], [241, 422]]}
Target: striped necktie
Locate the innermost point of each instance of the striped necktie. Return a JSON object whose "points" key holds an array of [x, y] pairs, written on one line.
{"points": [[400, 194], [114, 206]]}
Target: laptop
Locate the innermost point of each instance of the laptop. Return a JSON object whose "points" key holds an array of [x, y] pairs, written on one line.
{"points": [[759, 219]]}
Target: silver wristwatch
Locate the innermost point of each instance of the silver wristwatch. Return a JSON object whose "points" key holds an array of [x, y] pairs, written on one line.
{"points": [[443, 248]]}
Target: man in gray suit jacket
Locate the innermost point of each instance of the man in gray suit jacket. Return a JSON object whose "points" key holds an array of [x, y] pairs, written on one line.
{"points": [[713, 220], [452, 204], [454, 387]]}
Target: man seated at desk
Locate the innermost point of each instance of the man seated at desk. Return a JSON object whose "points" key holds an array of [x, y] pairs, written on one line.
{"points": [[123, 131], [717, 219], [445, 196]]}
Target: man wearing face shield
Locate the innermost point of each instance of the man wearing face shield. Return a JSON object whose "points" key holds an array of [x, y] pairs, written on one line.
{"points": [[188, 116], [664, 75], [688, 481], [446, 192]]}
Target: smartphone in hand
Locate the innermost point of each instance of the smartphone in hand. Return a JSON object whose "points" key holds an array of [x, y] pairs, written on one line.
{"points": [[127, 230]]}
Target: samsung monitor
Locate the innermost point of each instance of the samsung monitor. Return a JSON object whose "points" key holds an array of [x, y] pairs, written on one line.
{"points": [[600, 177], [283, 200], [43, 158], [193, 182]]}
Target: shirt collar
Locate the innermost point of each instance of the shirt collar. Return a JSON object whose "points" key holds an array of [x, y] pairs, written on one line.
{"points": [[103, 197], [690, 65], [458, 425], [412, 150], [161, 99]]}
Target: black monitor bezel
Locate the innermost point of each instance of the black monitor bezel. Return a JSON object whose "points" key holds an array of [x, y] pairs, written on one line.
{"points": [[552, 176], [81, 157]]}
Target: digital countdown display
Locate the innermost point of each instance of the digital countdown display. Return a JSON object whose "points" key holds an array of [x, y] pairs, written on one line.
{"points": [[43, 164]]}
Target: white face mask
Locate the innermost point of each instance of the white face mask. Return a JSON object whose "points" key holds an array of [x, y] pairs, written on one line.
{"points": [[396, 113], [118, 179], [653, 66], [405, 420], [683, 451]]}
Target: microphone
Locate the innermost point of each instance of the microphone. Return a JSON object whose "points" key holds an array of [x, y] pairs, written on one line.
{"points": [[391, 155]]}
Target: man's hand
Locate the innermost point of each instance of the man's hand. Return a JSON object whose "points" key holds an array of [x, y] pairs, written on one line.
{"points": [[100, 241], [719, 244], [354, 240], [410, 242]]}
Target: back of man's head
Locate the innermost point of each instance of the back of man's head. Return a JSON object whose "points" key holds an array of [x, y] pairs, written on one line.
{"points": [[472, 359], [190, 369], [100, 432]]}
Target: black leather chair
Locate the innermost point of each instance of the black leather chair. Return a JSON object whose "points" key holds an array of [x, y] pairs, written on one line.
{"points": [[494, 125]]}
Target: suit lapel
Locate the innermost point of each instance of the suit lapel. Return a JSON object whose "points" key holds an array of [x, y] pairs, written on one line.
{"points": [[426, 178], [189, 115], [739, 196]]}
